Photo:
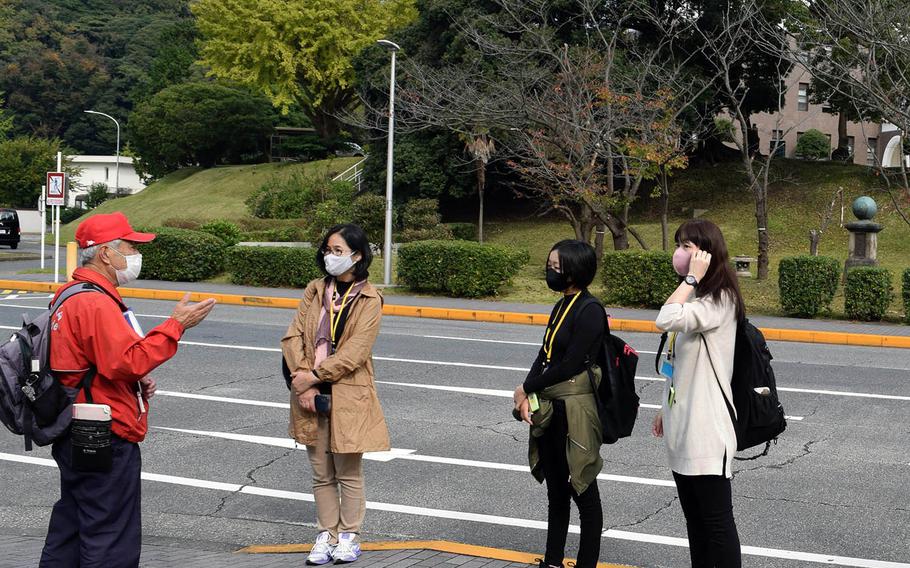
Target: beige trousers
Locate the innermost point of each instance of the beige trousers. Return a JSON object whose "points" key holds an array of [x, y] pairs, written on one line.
{"points": [[337, 486]]}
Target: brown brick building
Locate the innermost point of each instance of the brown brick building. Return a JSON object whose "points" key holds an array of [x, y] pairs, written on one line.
{"points": [[871, 143]]}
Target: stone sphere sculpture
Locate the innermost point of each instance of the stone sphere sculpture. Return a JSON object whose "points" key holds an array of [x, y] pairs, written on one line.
{"points": [[865, 208]]}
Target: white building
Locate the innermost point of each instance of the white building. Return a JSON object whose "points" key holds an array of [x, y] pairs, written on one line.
{"points": [[102, 169]]}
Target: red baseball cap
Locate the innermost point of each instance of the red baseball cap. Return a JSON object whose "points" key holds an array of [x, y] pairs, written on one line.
{"points": [[104, 228]]}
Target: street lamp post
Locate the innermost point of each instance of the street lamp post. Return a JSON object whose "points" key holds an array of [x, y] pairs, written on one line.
{"points": [[117, 174], [387, 246]]}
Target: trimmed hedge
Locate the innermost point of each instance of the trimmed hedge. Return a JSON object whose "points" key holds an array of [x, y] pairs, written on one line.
{"points": [[181, 255], [639, 278], [273, 266], [458, 268], [807, 284], [224, 230], [906, 293], [421, 222], [868, 293]]}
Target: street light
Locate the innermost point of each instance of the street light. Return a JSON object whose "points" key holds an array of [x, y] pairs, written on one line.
{"points": [[387, 246], [116, 175]]}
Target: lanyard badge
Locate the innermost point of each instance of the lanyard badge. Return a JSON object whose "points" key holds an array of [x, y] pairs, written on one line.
{"points": [[666, 369]]}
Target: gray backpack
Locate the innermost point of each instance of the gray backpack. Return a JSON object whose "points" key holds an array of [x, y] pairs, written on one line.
{"points": [[33, 403]]}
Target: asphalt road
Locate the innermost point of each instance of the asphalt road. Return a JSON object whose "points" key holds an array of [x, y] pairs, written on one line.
{"points": [[223, 472]]}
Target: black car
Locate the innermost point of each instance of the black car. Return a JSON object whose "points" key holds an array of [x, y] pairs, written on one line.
{"points": [[9, 228]]}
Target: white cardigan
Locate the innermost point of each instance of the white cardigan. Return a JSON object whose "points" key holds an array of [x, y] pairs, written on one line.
{"points": [[698, 432]]}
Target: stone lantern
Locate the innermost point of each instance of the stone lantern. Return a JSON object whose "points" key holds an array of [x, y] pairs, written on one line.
{"points": [[863, 234]]}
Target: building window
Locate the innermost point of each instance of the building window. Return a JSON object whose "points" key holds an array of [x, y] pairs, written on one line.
{"points": [[871, 145], [107, 173], [851, 142], [803, 99], [778, 146]]}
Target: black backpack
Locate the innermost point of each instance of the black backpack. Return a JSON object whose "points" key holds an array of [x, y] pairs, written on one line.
{"points": [[759, 416], [33, 403], [617, 400]]}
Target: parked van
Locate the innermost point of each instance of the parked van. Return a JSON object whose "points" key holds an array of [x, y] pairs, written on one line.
{"points": [[9, 228]]}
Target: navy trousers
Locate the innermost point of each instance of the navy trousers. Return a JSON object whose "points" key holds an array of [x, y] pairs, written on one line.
{"points": [[97, 522]]}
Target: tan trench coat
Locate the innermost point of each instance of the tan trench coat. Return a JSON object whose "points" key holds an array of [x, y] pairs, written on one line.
{"points": [[357, 422]]}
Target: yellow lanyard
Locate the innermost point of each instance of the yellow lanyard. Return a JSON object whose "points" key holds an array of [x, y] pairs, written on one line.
{"points": [[671, 349], [551, 337], [334, 320]]}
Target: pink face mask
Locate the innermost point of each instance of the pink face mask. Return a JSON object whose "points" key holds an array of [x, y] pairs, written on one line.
{"points": [[681, 260]]}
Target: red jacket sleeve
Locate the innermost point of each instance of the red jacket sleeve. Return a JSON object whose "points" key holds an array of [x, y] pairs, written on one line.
{"points": [[117, 351]]}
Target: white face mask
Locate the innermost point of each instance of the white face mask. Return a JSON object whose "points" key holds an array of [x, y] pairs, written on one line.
{"points": [[133, 267], [336, 265]]}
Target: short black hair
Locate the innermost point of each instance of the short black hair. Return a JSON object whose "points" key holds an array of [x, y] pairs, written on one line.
{"points": [[578, 261], [357, 241]]}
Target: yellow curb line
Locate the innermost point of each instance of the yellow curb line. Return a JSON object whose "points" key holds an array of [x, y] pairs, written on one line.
{"points": [[627, 325], [435, 545]]}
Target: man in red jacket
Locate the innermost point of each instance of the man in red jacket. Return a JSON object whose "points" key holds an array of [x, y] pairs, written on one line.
{"points": [[97, 520]]}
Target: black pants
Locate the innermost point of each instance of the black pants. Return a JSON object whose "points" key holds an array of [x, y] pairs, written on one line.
{"points": [[552, 446], [97, 522], [707, 503]]}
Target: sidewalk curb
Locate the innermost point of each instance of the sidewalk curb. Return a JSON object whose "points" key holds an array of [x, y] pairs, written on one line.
{"points": [[435, 545], [627, 325]]}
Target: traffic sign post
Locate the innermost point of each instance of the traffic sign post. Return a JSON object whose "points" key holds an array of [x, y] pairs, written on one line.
{"points": [[42, 208], [56, 189]]}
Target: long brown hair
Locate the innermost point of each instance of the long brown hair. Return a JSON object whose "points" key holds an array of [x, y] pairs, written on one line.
{"points": [[720, 277]]}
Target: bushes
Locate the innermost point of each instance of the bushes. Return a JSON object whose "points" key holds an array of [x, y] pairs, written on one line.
{"points": [[868, 293], [181, 255], [224, 230], [807, 284], [182, 223], [272, 266], [296, 196], [463, 231], [422, 222], [813, 145], [643, 278], [458, 268], [277, 235], [906, 294], [368, 212]]}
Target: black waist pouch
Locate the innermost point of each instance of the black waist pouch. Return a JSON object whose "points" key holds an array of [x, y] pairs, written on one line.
{"points": [[91, 445]]}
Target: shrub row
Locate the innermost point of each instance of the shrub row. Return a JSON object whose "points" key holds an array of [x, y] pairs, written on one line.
{"points": [[807, 284], [460, 268], [639, 278], [868, 293], [181, 255], [272, 266]]}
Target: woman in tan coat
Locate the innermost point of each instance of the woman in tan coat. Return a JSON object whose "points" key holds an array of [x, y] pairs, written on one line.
{"points": [[335, 412]]}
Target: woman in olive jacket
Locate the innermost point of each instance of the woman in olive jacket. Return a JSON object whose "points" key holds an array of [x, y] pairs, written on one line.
{"points": [[335, 411]]}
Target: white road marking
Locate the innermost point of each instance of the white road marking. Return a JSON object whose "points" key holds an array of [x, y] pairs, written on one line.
{"points": [[499, 341], [495, 520], [409, 455]]}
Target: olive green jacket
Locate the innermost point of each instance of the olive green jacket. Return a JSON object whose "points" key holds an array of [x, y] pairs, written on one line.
{"points": [[585, 437]]}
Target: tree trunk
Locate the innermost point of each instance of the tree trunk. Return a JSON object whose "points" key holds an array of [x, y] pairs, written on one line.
{"points": [[326, 125], [761, 220], [842, 141], [481, 183], [664, 210], [600, 231], [814, 237]]}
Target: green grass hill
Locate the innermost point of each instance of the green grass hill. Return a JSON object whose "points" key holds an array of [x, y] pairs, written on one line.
{"points": [[797, 200], [193, 193]]}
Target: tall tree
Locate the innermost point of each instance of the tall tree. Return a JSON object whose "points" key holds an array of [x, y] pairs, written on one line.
{"points": [[199, 124], [296, 52]]}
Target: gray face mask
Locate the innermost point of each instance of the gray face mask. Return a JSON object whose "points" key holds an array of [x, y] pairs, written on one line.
{"points": [[336, 265], [132, 270]]}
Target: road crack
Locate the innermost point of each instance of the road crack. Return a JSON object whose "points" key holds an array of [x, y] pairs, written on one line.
{"points": [[226, 383], [252, 481], [647, 517]]}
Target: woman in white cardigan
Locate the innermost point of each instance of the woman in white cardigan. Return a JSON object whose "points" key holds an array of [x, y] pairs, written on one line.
{"points": [[702, 316]]}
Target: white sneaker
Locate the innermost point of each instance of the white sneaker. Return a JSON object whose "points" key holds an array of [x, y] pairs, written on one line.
{"points": [[347, 550], [322, 552]]}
